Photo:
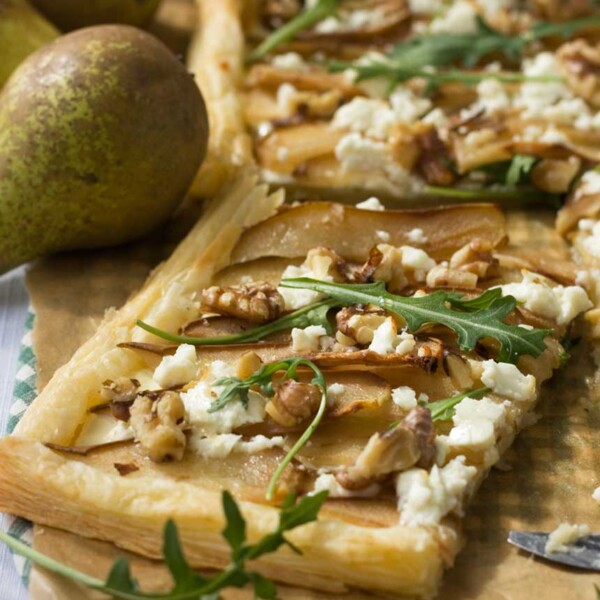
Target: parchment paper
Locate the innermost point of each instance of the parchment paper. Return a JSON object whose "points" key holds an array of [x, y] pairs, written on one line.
{"points": [[550, 472]]}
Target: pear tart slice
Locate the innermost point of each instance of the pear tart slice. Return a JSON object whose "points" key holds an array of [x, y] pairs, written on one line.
{"points": [[386, 357], [406, 100]]}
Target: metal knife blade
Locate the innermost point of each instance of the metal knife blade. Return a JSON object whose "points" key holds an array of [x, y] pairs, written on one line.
{"points": [[583, 554]]}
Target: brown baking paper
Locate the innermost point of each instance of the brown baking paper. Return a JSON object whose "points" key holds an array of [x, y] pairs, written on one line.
{"points": [[547, 477]]}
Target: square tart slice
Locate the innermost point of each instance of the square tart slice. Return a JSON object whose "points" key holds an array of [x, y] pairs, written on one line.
{"points": [[325, 114], [126, 435]]}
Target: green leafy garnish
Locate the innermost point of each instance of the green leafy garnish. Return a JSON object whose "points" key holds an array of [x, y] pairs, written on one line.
{"points": [[443, 410], [304, 20], [188, 584], [440, 307], [519, 169], [236, 388], [315, 314], [414, 57]]}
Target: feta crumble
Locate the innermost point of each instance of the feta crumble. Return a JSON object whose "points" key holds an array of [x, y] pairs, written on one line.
{"points": [[424, 498], [506, 380], [418, 261], [289, 60], [221, 445], [560, 303], [461, 17], [565, 535], [307, 339], [327, 481], [371, 203], [404, 397], [416, 236], [178, 369], [387, 341]]}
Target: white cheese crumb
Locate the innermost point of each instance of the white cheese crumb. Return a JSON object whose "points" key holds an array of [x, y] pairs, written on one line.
{"points": [[365, 115], [461, 17], [505, 379], [560, 303], [327, 481], [405, 397], [334, 391], [407, 107], [416, 236], [596, 494], [425, 7], [492, 96], [180, 368], [589, 183], [425, 498], [198, 400], [307, 339], [282, 154], [314, 267], [565, 535], [371, 203], [384, 236], [286, 98], [289, 60], [417, 260], [264, 129], [387, 341], [221, 445]]}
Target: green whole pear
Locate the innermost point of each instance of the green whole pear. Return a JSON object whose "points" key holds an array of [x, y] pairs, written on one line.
{"points": [[74, 14], [101, 134], [22, 31]]}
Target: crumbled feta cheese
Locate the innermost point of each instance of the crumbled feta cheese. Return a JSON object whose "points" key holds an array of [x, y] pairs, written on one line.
{"points": [[327, 481], [461, 17], [425, 498], [416, 236], [223, 444], [596, 494], [476, 423], [335, 390], [387, 341], [282, 154], [591, 243], [505, 379], [315, 267], [289, 60], [177, 369], [407, 106], [559, 302], [405, 397], [371, 203], [492, 96], [352, 20], [198, 400], [365, 115], [565, 535], [356, 153], [437, 117], [417, 260], [307, 339], [384, 236]]}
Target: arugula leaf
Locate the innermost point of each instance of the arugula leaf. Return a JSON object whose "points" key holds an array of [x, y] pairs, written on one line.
{"points": [[443, 410], [519, 168], [415, 57], [307, 18], [234, 387], [470, 327], [314, 314], [189, 585]]}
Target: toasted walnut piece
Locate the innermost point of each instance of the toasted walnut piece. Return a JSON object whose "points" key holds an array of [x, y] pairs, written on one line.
{"points": [[121, 394], [409, 443], [247, 364], [293, 403], [581, 62], [441, 276], [256, 302], [390, 268], [365, 273], [434, 159], [403, 146], [419, 421], [475, 257], [158, 426], [323, 261], [359, 322]]}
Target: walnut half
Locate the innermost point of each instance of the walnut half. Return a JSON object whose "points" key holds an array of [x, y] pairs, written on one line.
{"points": [[257, 302], [158, 426], [293, 403]]}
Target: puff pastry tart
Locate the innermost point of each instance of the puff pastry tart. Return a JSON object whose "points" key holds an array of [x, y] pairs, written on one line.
{"points": [[404, 99], [388, 357]]}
